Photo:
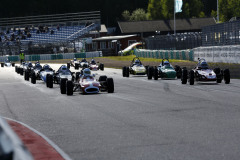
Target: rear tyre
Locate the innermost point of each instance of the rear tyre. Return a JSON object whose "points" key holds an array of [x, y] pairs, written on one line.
{"points": [[146, 67], [110, 85], [101, 67], [2, 64], [150, 72], [47, 80], [68, 65], [155, 73], [63, 86], [76, 66], [178, 71], [184, 76], [26, 76], [16, 69], [127, 72], [33, 78], [226, 74], [21, 71], [13, 64], [191, 77], [50, 81], [69, 88], [124, 71], [102, 78]]}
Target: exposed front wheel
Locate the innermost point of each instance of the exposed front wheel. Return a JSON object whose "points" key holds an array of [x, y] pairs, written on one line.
{"points": [[110, 85], [69, 88], [226, 74], [191, 77], [184, 76]]}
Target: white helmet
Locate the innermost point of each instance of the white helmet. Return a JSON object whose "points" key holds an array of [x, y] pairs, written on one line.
{"points": [[86, 72]]}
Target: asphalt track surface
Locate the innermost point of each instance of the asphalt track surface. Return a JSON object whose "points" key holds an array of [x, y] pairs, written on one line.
{"points": [[143, 119]]}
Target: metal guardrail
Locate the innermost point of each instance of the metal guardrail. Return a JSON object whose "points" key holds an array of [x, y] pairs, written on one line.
{"points": [[225, 54], [165, 54], [11, 148], [53, 56]]}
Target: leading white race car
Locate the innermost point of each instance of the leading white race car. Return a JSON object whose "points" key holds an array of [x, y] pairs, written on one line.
{"points": [[202, 73], [7, 63], [87, 84]]}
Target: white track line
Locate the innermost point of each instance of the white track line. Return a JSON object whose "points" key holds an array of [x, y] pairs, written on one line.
{"points": [[61, 152]]}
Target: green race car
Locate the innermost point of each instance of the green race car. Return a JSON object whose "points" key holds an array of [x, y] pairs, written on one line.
{"points": [[165, 71], [136, 68]]}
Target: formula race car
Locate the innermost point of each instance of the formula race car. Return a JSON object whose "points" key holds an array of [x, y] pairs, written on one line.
{"points": [[45, 74], [62, 76], [74, 63], [93, 66], [34, 73], [19, 69], [84, 63], [136, 68], [201, 73], [165, 71], [87, 84], [7, 63]]}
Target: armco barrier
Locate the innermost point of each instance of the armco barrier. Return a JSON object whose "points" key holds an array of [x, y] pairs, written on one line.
{"points": [[225, 54], [167, 54], [53, 56], [10, 145]]}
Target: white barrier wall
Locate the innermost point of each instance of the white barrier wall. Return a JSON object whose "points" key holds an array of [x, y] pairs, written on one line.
{"points": [[225, 54]]}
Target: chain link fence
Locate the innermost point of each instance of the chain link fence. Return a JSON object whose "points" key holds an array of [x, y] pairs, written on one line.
{"points": [[174, 42], [221, 34]]}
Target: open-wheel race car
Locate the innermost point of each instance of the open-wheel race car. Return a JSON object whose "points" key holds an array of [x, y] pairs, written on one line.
{"points": [[74, 63], [202, 73], [165, 71], [7, 63], [84, 63], [86, 83], [61, 77], [45, 74], [20, 69], [136, 68], [94, 66]]}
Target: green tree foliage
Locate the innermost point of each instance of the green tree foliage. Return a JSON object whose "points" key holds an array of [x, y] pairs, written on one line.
{"points": [[137, 15], [126, 15], [229, 9], [164, 9]]}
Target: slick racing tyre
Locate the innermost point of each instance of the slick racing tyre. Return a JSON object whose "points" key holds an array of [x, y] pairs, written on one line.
{"points": [[124, 71], [101, 66], [47, 81], [13, 64], [68, 65], [50, 81], [26, 75], [69, 88], [110, 85], [21, 71], [155, 73], [127, 72], [150, 72], [184, 76], [63, 86], [218, 73], [76, 66], [191, 77], [226, 74], [178, 71], [33, 78], [2, 64], [102, 78], [16, 69]]}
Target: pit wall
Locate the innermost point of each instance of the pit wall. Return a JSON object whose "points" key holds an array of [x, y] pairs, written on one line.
{"points": [[53, 56], [165, 54], [225, 54]]}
